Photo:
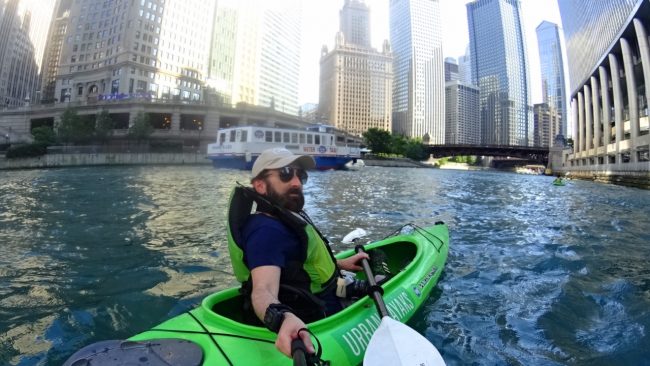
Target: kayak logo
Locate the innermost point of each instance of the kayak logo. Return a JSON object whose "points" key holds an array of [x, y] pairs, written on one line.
{"points": [[424, 281], [356, 338]]}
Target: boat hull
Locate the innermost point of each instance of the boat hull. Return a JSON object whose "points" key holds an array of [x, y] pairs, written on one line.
{"points": [[418, 260], [241, 162]]}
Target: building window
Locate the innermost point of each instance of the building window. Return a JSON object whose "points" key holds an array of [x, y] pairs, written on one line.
{"points": [[625, 157], [643, 155]]}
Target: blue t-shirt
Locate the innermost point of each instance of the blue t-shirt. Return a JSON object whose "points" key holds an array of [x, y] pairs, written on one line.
{"points": [[268, 242]]}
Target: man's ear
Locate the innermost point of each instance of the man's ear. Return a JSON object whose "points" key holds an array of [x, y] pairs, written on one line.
{"points": [[260, 186]]}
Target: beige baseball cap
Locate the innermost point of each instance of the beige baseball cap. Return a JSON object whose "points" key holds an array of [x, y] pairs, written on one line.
{"points": [[280, 157]]}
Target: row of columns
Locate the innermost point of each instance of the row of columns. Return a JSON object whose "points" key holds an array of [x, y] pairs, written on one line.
{"points": [[594, 97]]}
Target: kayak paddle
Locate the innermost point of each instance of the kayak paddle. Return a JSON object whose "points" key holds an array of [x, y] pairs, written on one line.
{"points": [[395, 343]]}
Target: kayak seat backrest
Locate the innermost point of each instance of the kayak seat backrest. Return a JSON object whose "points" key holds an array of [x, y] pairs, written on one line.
{"points": [[241, 206]]}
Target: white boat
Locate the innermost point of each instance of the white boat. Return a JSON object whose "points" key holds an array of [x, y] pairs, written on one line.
{"points": [[238, 147]]}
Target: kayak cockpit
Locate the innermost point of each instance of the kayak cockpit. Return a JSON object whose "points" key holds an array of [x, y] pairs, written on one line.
{"points": [[395, 258]]}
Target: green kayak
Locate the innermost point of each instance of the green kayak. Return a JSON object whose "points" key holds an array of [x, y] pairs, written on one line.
{"points": [[416, 260]]}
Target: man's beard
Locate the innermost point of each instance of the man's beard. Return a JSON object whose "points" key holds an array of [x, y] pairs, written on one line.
{"points": [[293, 200]]}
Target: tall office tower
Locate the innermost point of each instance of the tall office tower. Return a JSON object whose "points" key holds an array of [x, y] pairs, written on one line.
{"points": [[255, 53], [465, 67], [500, 70], [355, 23], [419, 86], [545, 119], [552, 65], [23, 33], [356, 81], [609, 68], [462, 113], [143, 48], [53, 48], [451, 69]]}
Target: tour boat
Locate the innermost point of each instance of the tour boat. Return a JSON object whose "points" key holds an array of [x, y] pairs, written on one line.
{"points": [[215, 332], [238, 147]]}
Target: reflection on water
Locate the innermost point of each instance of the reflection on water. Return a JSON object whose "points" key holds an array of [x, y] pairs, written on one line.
{"points": [[537, 274]]}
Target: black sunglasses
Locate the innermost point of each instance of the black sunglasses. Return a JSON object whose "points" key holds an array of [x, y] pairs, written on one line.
{"points": [[286, 174]]}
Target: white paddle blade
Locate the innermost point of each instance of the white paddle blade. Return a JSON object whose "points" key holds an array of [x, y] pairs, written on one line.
{"points": [[394, 343], [353, 235]]}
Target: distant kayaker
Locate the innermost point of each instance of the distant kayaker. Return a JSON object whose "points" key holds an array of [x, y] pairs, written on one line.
{"points": [[289, 275], [558, 180]]}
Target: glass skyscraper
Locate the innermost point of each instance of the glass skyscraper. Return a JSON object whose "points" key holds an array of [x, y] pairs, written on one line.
{"points": [[419, 86], [552, 65], [500, 70]]}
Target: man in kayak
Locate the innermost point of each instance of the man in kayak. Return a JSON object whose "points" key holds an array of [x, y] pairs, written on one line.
{"points": [[282, 260]]}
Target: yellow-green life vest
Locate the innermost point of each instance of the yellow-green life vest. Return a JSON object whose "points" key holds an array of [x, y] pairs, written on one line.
{"points": [[319, 264]]}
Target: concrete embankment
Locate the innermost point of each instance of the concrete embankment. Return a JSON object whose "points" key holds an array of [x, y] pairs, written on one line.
{"points": [[630, 179], [65, 160], [396, 163]]}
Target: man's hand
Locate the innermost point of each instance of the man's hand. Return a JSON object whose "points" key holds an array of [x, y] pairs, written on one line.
{"points": [[289, 331], [352, 263]]}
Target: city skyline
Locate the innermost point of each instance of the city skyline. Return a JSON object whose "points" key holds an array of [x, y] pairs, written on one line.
{"points": [[320, 23]]}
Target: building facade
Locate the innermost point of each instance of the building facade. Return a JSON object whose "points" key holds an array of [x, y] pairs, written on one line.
{"points": [[419, 87], [255, 53], [552, 68], [135, 49], [462, 113], [452, 72], [546, 122], [609, 72], [23, 34], [356, 81], [500, 70]]}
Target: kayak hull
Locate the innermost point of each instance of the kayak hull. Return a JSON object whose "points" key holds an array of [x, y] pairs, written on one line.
{"points": [[216, 327]]}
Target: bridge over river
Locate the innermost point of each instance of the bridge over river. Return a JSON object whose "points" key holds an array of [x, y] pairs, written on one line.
{"points": [[530, 154]]}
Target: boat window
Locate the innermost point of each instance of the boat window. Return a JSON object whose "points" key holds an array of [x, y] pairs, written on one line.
{"points": [[278, 136], [310, 139], [331, 140], [317, 139], [294, 138], [244, 136], [268, 136], [285, 137], [222, 137], [302, 138], [340, 139], [232, 135]]}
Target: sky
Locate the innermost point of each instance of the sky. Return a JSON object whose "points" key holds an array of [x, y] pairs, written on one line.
{"points": [[321, 22]]}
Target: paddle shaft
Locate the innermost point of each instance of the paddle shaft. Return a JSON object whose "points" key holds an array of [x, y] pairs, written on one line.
{"points": [[375, 291], [298, 352]]}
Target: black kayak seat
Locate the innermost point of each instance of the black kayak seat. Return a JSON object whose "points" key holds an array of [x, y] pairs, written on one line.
{"points": [[154, 352]]}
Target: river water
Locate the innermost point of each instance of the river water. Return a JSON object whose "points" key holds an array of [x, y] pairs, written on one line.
{"points": [[537, 274]]}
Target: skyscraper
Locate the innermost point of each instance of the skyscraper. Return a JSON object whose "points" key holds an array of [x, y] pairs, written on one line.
{"points": [[144, 48], [255, 54], [355, 23], [609, 68], [53, 49], [465, 67], [462, 113], [552, 65], [23, 34], [355, 79], [451, 69], [500, 70], [419, 87]]}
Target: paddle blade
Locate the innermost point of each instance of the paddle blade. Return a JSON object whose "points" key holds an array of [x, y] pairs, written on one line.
{"points": [[353, 235], [395, 343]]}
